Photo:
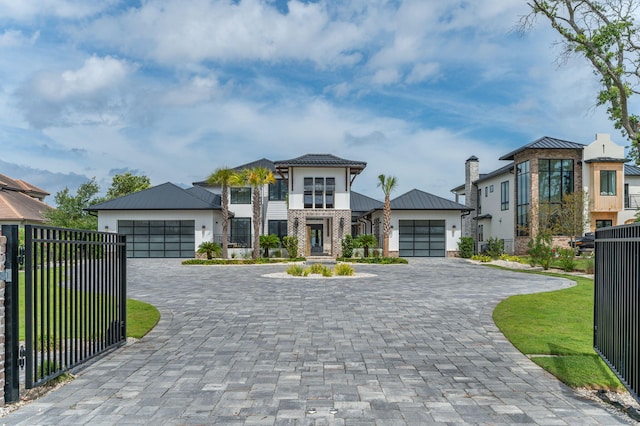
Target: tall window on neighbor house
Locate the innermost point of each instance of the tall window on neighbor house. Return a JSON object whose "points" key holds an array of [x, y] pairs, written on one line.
{"points": [[278, 227], [479, 201], [504, 195], [608, 182], [278, 190], [319, 193], [555, 180], [523, 186], [240, 231], [627, 202], [240, 196]]}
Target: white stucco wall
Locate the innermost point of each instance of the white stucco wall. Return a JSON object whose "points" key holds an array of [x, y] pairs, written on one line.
{"points": [[602, 147], [501, 224]]}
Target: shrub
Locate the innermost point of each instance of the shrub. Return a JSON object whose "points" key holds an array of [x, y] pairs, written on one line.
{"points": [[566, 259], [495, 247], [590, 266], [465, 247], [375, 260], [342, 269], [291, 244], [269, 241], [326, 272], [295, 270], [509, 258], [377, 253], [315, 268], [210, 248], [347, 246], [367, 241], [481, 258], [540, 251]]}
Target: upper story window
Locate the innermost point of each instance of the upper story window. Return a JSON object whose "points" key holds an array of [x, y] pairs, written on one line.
{"points": [[555, 179], [319, 193], [278, 190], [504, 195], [240, 195], [608, 182], [523, 188]]}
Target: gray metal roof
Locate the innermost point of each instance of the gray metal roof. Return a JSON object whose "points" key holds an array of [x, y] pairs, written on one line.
{"points": [[263, 162], [606, 160], [420, 200], [362, 203], [206, 196], [544, 142], [631, 170], [162, 197], [325, 160]]}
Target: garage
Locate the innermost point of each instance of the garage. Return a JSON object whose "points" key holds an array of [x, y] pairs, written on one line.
{"points": [[422, 238], [159, 238]]}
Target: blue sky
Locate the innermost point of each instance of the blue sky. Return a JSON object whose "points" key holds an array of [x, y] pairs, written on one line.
{"points": [[174, 89]]}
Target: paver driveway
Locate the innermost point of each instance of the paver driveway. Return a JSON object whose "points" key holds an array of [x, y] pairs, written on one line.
{"points": [[414, 345]]}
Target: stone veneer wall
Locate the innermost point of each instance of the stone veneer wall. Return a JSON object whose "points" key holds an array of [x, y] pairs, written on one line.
{"points": [[3, 251], [336, 232], [533, 155]]}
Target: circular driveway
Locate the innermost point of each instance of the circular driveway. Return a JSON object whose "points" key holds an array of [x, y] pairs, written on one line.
{"points": [[415, 344]]}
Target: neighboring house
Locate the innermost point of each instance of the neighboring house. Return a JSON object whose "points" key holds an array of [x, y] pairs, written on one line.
{"points": [[506, 201], [311, 198], [21, 203]]}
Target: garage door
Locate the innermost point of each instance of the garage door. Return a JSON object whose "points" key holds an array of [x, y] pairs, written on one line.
{"points": [[159, 238], [422, 238]]}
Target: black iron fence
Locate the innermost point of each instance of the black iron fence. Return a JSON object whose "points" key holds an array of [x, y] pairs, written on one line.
{"points": [[75, 298], [616, 303]]}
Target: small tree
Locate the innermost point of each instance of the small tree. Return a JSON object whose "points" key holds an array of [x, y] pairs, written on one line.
{"points": [[465, 247], [269, 241], [290, 243], [210, 249], [571, 218], [347, 246], [367, 241], [541, 250], [256, 178], [224, 177]]}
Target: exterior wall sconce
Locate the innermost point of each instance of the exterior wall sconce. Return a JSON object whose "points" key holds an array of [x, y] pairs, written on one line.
{"points": [[204, 227], [296, 222], [342, 223], [106, 227], [453, 227]]}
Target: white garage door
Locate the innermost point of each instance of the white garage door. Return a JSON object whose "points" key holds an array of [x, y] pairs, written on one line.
{"points": [[159, 238], [422, 238]]}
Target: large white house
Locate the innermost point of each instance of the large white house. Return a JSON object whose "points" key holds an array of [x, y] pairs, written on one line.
{"points": [[312, 198], [543, 171]]}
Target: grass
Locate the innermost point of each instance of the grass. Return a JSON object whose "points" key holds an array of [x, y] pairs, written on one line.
{"points": [[141, 317], [555, 329], [582, 263]]}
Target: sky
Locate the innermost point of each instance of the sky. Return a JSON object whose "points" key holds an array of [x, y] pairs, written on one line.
{"points": [[174, 89]]}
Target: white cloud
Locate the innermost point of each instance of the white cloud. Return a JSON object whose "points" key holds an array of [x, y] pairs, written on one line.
{"points": [[28, 9], [386, 76], [198, 89], [13, 38], [422, 72]]}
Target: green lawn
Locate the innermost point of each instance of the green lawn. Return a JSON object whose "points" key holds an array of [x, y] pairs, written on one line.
{"points": [[555, 329], [141, 317]]}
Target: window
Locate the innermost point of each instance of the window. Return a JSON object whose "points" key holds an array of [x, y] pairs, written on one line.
{"points": [[479, 201], [608, 182], [523, 187], [278, 227], [627, 201], [555, 178], [486, 191], [240, 195], [278, 190], [490, 188], [603, 223], [240, 231], [480, 232], [504, 195], [319, 193]]}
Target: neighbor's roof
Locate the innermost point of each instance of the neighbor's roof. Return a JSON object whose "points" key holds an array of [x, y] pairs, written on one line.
{"points": [[362, 203], [18, 206], [324, 160], [630, 170], [162, 197], [21, 186], [484, 176], [544, 142]]}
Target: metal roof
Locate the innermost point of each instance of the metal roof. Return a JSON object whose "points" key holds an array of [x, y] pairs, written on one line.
{"points": [[362, 203], [167, 196], [420, 200], [206, 196], [18, 206], [325, 160], [544, 142], [606, 160], [263, 162], [631, 170]]}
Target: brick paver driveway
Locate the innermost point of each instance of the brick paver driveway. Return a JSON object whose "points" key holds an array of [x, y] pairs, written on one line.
{"points": [[414, 345]]}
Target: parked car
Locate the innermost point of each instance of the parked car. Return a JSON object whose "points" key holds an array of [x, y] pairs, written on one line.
{"points": [[585, 243]]}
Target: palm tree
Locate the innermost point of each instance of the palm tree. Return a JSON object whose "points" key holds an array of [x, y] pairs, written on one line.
{"points": [[256, 178], [224, 177], [388, 184]]}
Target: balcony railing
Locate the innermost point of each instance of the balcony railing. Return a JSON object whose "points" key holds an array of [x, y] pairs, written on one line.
{"points": [[632, 201]]}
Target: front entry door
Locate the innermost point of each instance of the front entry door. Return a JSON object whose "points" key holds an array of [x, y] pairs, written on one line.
{"points": [[316, 239]]}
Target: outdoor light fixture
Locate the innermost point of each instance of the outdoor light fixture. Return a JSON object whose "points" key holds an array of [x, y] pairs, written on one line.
{"points": [[204, 227], [296, 222], [341, 222], [106, 227]]}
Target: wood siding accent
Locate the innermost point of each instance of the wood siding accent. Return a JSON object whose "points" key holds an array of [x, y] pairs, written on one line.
{"points": [[606, 203]]}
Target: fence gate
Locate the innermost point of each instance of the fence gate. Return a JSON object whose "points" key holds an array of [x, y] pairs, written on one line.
{"points": [[74, 301], [617, 302]]}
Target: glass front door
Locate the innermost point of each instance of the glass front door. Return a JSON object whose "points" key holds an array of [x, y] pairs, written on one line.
{"points": [[316, 239]]}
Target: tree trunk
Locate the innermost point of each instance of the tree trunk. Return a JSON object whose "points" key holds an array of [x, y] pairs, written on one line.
{"points": [[256, 222], [386, 225], [225, 221]]}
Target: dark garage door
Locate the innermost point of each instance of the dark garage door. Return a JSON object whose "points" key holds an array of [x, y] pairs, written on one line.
{"points": [[159, 238], [422, 238]]}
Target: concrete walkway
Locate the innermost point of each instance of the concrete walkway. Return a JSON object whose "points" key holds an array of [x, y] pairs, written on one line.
{"points": [[413, 345]]}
